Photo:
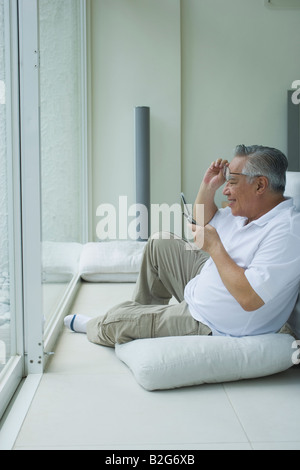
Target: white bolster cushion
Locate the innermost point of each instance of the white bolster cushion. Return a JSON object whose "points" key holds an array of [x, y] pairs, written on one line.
{"points": [[172, 362], [116, 261]]}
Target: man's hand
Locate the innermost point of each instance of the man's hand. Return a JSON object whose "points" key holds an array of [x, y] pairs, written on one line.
{"points": [[206, 237], [212, 180], [214, 174]]}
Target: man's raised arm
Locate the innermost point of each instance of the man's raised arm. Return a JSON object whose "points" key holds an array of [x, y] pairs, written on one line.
{"points": [[212, 180]]}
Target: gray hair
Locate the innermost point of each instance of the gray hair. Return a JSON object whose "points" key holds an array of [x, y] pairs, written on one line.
{"points": [[264, 161]]}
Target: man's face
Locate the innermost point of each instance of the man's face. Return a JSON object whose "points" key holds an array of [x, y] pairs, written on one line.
{"points": [[240, 193]]}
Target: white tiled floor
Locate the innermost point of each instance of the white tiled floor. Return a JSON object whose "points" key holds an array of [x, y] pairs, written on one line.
{"points": [[88, 399]]}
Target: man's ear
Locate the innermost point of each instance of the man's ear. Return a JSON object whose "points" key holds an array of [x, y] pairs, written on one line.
{"points": [[262, 183]]}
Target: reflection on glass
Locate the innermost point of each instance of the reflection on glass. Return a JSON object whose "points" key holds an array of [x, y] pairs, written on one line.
{"points": [[5, 310], [61, 146]]}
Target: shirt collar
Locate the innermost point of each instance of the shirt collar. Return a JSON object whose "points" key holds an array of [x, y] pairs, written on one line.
{"points": [[287, 203]]}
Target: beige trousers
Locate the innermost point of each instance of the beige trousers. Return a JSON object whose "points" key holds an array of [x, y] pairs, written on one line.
{"points": [[168, 264]]}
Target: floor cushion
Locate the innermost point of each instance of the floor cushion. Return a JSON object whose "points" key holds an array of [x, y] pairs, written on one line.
{"points": [[116, 261], [172, 362], [292, 188], [294, 320], [60, 261]]}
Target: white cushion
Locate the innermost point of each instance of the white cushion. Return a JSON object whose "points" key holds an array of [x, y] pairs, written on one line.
{"points": [[292, 187], [117, 261], [294, 320], [60, 260], [171, 362]]}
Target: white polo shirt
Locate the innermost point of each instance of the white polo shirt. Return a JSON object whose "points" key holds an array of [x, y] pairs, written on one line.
{"points": [[269, 250]]}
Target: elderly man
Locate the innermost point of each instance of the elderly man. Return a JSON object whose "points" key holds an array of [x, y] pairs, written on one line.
{"points": [[243, 281]]}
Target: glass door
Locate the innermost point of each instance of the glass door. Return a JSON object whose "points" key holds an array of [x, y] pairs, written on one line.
{"points": [[5, 302], [62, 74], [42, 178], [11, 308]]}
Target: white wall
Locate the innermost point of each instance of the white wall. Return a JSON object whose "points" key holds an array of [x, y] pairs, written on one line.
{"points": [[239, 58], [135, 61], [215, 74]]}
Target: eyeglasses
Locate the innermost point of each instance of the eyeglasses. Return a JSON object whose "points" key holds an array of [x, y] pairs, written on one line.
{"points": [[227, 173]]}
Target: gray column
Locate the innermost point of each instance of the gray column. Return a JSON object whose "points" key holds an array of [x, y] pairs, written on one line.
{"points": [[142, 160]]}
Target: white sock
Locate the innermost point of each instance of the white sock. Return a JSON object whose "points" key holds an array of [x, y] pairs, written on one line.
{"points": [[76, 323]]}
